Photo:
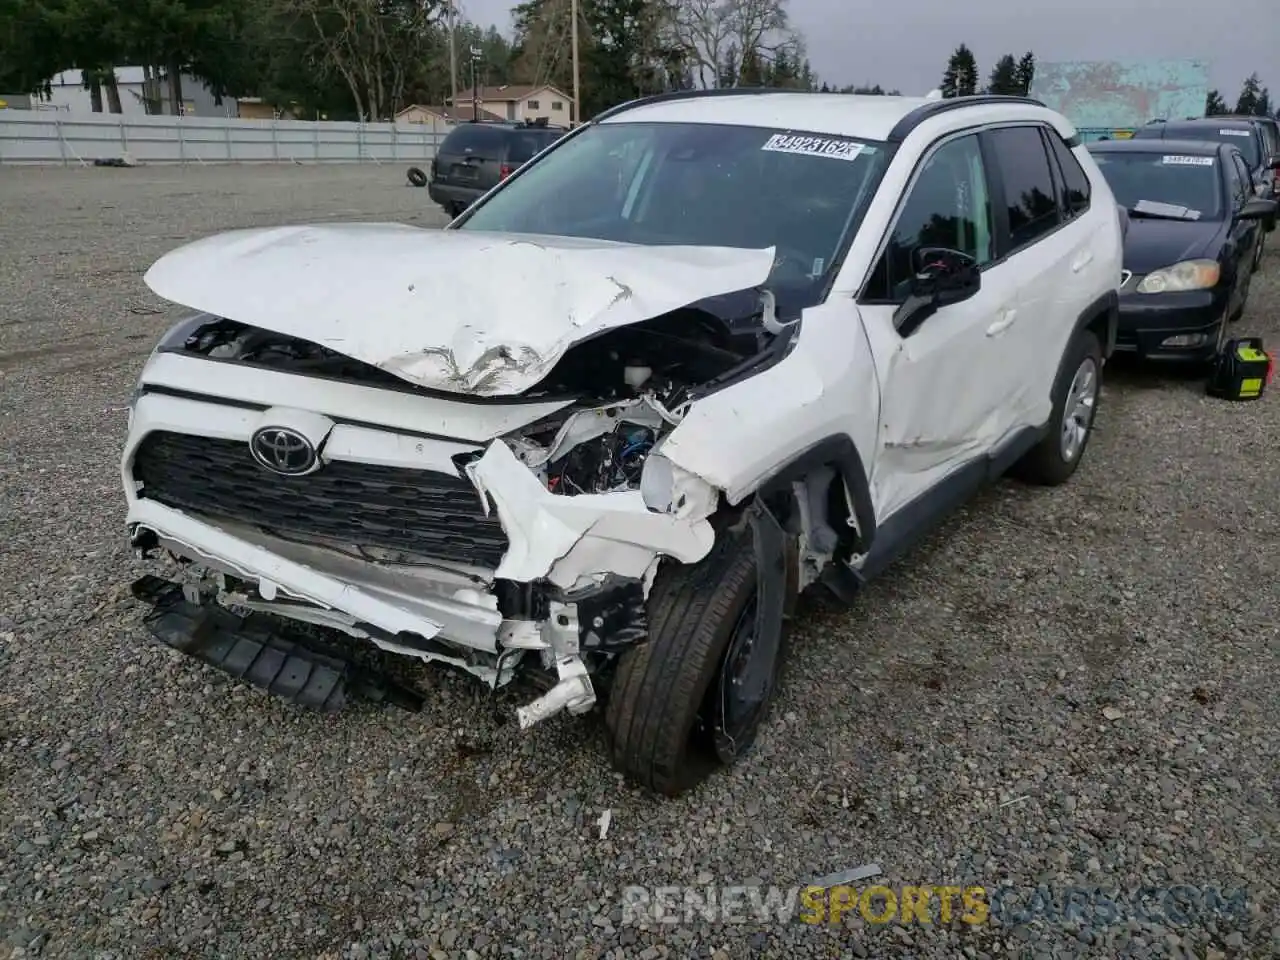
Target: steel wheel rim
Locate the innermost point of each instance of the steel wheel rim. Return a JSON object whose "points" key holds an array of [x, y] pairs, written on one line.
{"points": [[745, 682], [1077, 412]]}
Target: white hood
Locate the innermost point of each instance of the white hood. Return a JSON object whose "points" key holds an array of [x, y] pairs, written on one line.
{"points": [[467, 312]]}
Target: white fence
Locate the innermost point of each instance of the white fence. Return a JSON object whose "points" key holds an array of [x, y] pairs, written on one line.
{"points": [[41, 137]]}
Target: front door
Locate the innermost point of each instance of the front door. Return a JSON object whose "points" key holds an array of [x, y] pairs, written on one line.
{"points": [[942, 385]]}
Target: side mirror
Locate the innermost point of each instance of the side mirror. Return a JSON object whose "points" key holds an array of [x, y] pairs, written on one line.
{"points": [[1257, 209], [942, 277]]}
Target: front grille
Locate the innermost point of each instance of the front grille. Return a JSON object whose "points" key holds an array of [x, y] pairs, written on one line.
{"points": [[363, 505]]}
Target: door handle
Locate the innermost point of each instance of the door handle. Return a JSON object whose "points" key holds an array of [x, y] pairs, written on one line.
{"points": [[1004, 320], [1082, 260]]}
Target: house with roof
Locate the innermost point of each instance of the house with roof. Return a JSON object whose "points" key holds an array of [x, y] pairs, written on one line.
{"points": [[443, 116], [521, 101]]}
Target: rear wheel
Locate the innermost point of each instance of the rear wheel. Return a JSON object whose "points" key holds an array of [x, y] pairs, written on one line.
{"points": [[692, 699], [1075, 404]]}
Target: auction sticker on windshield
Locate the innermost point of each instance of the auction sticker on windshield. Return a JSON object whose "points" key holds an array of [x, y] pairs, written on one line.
{"points": [[1234, 133], [833, 147], [1189, 161]]}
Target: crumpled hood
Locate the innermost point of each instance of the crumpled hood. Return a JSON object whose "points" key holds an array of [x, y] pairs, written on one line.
{"points": [[467, 312]]}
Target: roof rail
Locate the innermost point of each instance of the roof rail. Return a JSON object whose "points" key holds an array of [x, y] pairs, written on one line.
{"points": [[934, 107], [690, 95]]}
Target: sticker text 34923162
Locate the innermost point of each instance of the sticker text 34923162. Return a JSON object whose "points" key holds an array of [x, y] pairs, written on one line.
{"points": [[833, 147]]}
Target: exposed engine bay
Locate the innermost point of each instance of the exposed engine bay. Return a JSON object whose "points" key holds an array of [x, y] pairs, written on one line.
{"points": [[631, 386]]}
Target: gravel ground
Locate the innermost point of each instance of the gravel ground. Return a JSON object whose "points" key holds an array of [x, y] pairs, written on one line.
{"points": [[1075, 688]]}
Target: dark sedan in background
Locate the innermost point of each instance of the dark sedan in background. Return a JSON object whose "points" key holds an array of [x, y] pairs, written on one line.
{"points": [[1195, 228], [1250, 135]]}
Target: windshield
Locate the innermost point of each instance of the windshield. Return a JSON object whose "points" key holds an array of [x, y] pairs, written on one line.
{"points": [[699, 185], [1243, 139], [1159, 184]]}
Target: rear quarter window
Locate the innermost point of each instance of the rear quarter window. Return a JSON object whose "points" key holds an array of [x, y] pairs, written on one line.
{"points": [[1076, 189], [523, 146]]}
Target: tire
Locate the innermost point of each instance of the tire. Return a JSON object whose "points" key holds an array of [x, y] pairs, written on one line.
{"points": [[416, 177], [1238, 312], [665, 730], [1050, 463]]}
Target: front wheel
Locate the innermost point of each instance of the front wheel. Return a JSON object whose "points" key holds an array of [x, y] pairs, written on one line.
{"points": [[693, 698], [1075, 404]]}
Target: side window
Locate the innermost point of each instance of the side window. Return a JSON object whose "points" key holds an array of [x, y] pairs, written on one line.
{"points": [[948, 206], [1028, 184], [1076, 187], [1246, 178], [1238, 177], [523, 146]]}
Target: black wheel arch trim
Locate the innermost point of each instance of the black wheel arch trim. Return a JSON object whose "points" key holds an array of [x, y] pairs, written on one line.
{"points": [[1108, 306], [840, 452]]}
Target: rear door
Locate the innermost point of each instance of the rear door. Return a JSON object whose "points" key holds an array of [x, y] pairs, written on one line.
{"points": [[1246, 235], [472, 156], [1055, 249]]}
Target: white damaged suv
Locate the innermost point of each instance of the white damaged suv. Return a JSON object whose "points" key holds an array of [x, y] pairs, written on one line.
{"points": [[703, 352]]}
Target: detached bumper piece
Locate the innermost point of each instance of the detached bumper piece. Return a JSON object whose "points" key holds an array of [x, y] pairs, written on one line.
{"points": [[262, 651]]}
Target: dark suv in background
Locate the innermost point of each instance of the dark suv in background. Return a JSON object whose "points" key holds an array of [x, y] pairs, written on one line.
{"points": [[475, 157]]}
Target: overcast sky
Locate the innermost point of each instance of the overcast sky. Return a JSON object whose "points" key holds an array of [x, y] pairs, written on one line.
{"points": [[906, 43]]}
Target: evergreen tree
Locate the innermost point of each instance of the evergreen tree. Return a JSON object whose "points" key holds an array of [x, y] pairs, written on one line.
{"points": [[1004, 77], [1247, 102], [1026, 73], [751, 71], [1264, 103], [1214, 105], [961, 76]]}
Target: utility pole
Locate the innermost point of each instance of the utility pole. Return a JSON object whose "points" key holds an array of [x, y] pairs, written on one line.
{"points": [[577, 102], [451, 12], [475, 89]]}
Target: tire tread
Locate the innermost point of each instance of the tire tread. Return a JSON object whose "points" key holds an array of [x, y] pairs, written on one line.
{"points": [[659, 687]]}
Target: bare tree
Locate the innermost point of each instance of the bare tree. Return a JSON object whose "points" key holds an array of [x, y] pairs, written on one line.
{"points": [[718, 36], [371, 44], [704, 29]]}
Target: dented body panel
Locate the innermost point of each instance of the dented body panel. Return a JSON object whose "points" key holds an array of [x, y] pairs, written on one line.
{"points": [[825, 386], [424, 305]]}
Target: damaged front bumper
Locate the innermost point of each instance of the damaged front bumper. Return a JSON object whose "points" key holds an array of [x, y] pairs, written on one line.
{"points": [[572, 582]]}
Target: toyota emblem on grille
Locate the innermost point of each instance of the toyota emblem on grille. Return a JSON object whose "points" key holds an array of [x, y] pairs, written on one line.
{"points": [[282, 450]]}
